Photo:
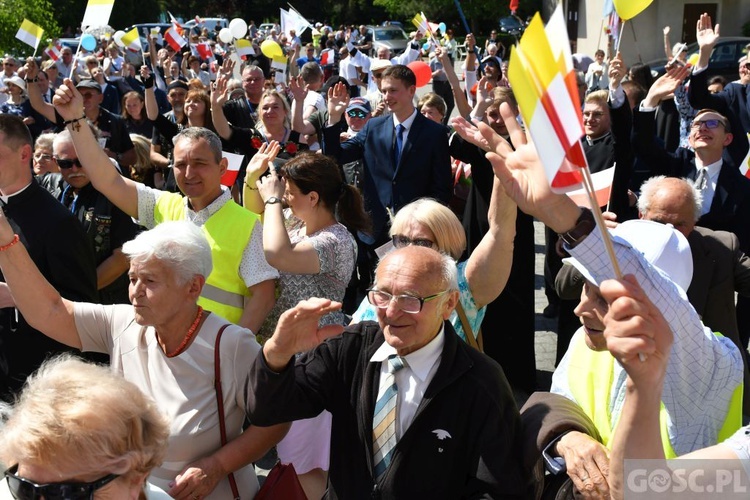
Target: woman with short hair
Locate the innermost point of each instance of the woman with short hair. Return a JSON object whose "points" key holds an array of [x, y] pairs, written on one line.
{"points": [[164, 343], [80, 431]]}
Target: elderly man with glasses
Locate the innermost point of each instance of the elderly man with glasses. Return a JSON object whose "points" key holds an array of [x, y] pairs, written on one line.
{"points": [[416, 412]]}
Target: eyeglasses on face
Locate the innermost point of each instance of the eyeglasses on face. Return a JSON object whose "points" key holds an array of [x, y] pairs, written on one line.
{"points": [[400, 241], [66, 163], [23, 489], [710, 124], [42, 157], [409, 304], [356, 113]]}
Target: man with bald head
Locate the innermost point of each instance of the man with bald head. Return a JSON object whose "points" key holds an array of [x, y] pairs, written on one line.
{"points": [[417, 413]]}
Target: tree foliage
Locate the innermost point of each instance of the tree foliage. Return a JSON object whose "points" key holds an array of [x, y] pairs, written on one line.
{"points": [[12, 14]]}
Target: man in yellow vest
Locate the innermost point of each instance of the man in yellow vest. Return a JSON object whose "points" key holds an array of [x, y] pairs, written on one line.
{"points": [[241, 286], [702, 390]]}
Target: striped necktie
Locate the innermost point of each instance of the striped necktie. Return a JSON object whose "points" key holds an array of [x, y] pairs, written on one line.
{"points": [[384, 422]]}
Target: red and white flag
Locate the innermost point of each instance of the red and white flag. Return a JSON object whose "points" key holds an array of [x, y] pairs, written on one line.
{"points": [[54, 51], [544, 84], [745, 166], [174, 38], [202, 50], [233, 168], [602, 189], [327, 57]]}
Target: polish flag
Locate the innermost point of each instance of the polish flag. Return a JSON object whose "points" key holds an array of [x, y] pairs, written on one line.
{"points": [[745, 166], [54, 51], [174, 38], [327, 57], [204, 50], [234, 161], [602, 189]]}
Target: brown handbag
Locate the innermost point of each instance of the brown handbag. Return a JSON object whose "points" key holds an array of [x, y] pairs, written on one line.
{"points": [[220, 403]]}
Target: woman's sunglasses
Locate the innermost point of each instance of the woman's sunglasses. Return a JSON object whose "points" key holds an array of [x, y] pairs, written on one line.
{"points": [[23, 489]]}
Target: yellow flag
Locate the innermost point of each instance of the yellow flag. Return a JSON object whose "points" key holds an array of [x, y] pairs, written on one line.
{"points": [[131, 39], [628, 9]]}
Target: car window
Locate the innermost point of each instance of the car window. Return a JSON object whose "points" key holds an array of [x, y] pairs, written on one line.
{"points": [[389, 35], [724, 53]]}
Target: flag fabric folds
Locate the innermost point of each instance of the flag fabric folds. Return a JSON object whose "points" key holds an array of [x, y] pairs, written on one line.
{"points": [[174, 38], [327, 57], [29, 33], [543, 79], [293, 20], [97, 13], [202, 50], [132, 40], [628, 9], [234, 162], [602, 189], [54, 51], [244, 48]]}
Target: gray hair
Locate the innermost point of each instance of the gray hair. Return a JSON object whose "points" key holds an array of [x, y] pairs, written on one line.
{"points": [[179, 244], [652, 185], [45, 141], [198, 133]]}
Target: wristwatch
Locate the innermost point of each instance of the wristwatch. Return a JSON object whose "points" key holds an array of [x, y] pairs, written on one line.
{"points": [[272, 200], [584, 225]]}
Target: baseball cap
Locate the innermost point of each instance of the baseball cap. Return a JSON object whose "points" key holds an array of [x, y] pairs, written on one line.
{"points": [[359, 103], [177, 84], [660, 244], [378, 64], [89, 84], [17, 81]]}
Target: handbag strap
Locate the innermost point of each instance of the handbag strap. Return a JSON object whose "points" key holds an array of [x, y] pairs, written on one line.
{"points": [[220, 403], [476, 343]]}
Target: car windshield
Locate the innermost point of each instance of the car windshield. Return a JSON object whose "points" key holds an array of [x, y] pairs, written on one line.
{"points": [[389, 35]]}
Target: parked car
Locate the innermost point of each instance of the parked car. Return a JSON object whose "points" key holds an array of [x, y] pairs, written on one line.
{"points": [[392, 37], [723, 60], [207, 22], [266, 28]]}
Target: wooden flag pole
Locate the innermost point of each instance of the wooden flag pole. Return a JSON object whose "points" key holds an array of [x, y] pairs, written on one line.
{"points": [[588, 184], [619, 37]]}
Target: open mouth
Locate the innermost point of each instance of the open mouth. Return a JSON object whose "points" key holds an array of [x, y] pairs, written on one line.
{"points": [[592, 331]]}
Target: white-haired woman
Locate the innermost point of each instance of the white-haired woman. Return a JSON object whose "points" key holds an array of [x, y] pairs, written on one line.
{"points": [[164, 343], [79, 431]]}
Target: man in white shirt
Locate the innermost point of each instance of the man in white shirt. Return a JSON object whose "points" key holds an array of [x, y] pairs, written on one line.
{"points": [[348, 70]]}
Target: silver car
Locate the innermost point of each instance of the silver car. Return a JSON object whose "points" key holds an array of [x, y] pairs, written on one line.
{"points": [[392, 37]]}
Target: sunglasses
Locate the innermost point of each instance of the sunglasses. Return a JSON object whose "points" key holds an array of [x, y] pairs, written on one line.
{"points": [[23, 489], [356, 113], [710, 124], [400, 241], [66, 163]]}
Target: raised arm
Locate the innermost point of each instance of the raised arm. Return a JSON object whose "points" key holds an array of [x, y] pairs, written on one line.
{"points": [[45, 109], [459, 96], [218, 98], [104, 177], [300, 258], [258, 165], [299, 91], [41, 305], [667, 45]]}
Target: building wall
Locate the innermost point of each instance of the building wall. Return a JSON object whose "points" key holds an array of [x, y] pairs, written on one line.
{"points": [[647, 42]]}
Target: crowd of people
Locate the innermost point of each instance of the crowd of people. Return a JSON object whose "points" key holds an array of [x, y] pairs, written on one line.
{"points": [[358, 291]]}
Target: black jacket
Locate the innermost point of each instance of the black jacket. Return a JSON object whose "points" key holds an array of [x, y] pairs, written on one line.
{"points": [[468, 397]]}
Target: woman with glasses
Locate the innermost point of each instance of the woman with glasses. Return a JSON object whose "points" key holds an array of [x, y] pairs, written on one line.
{"points": [[481, 277], [315, 255], [46, 171], [80, 432]]}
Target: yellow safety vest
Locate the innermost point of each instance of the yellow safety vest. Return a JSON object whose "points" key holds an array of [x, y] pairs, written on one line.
{"points": [[228, 232], [591, 376]]}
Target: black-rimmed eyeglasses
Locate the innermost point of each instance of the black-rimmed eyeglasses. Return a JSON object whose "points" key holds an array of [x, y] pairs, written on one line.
{"points": [[23, 489], [65, 163], [410, 304]]}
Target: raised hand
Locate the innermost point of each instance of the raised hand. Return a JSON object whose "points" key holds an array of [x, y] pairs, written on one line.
{"points": [[705, 34], [298, 88], [666, 30], [298, 331], [338, 100], [666, 84], [634, 326], [484, 88], [261, 160], [616, 71], [220, 95], [68, 101], [227, 67], [32, 70]]}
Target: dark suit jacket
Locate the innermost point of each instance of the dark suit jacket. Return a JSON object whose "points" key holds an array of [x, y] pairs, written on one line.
{"points": [[468, 398], [730, 208], [732, 102], [424, 168], [239, 113]]}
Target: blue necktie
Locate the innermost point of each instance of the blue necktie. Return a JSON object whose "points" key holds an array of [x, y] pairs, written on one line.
{"points": [[384, 420], [399, 144]]}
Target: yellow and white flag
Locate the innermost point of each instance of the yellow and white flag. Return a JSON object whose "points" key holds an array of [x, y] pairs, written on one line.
{"points": [[132, 40], [29, 33], [97, 13]]}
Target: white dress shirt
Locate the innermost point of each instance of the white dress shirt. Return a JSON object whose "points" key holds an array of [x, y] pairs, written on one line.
{"points": [[713, 178], [413, 379]]}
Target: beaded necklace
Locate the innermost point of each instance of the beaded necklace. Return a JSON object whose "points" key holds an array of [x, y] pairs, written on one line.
{"points": [[188, 336]]}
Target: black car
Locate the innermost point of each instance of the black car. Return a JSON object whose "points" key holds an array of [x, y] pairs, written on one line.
{"points": [[723, 60]]}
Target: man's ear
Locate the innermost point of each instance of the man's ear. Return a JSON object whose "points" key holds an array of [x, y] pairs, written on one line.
{"points": [[728, 140], [450, 304]]}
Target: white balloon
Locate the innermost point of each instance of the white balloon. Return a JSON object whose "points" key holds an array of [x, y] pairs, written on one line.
{"points": [[117, 37], [238, 27], [225, 35]]}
